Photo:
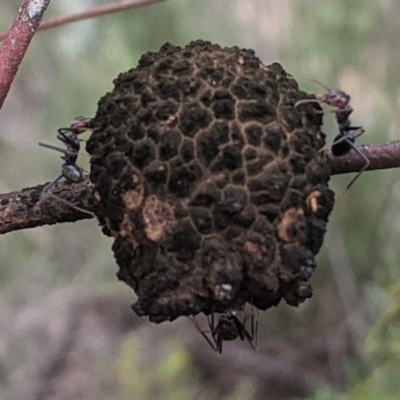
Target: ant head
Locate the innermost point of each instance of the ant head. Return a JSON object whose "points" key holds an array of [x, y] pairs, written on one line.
{"points": [[336, 98], [79, 125]]}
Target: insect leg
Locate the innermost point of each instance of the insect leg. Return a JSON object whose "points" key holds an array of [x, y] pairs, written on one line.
{"points": [[254, 327], [196, 325], [214, 333], [251, 337], [68, 203], [349, 136], [46, 192], [363, 156], [49, 146], [51, 184]]}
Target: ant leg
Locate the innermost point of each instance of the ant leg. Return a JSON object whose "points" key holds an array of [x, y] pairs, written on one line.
{"points": [[73, 153], [251, 337], [340, 145], [349, 140], [350, 136], [216, 337], [363, 156], [254, 327], [51, 184], [219, 342], [360, 130], [49, 146], [68, 203], [196, 325], [211, 321], [46, 192], [63, 137]]}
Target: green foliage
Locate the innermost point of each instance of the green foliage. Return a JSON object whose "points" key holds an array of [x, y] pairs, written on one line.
{"points": [[335, 33], [169, 374], [380, 358], [169, 378], [383, 343]]}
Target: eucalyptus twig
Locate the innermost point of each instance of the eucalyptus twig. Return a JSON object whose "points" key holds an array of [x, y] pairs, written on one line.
{"points": [[17, 40], [27, 209], [92, 13]]}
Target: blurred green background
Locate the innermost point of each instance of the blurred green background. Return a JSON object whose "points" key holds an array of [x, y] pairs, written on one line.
{"points": [[66, 327]]}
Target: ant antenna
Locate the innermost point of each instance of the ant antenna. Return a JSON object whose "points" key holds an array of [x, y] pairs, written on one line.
{"points": [[318, 100], [336, 98], [320, 84]]}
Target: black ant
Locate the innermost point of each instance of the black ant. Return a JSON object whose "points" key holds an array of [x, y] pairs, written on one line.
{"points": [[229, 327], [69, 170], [345, 140]]}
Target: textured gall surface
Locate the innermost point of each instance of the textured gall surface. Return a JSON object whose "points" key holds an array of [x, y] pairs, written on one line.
{"points": [[210, 181]]}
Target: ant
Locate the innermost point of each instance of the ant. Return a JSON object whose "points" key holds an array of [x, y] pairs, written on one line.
{"points": [[69, 170], [345, 140], [229, 327]]}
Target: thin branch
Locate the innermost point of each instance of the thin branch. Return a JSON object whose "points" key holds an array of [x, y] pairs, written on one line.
{"points": [[17, 41], [92, 13], [28, 209], [381, 156]]}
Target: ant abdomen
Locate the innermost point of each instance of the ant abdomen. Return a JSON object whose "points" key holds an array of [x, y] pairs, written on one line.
{"points": [[73, 173], [340, 147]]}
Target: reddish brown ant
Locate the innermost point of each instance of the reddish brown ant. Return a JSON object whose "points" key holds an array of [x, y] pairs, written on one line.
{"points": [[229, 327], [69, 170], [345, 140]]}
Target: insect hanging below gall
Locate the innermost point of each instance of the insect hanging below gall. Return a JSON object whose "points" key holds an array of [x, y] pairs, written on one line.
{"points": [[229, 327]]}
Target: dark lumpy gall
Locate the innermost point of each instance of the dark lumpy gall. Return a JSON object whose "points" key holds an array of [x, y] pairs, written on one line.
{"points": [[169, 144], [211, 182], [182, 180], [209, 141], [224, 104], [193, 117]]}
